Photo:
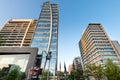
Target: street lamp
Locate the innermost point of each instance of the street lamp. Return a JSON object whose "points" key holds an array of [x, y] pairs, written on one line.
{"points": [[48, 57]]}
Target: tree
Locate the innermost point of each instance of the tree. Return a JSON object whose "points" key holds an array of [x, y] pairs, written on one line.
{"points": [[13, 75], [22, 76], [96, 71], [76, 74], [112, 71], [72, 74], [80, 73], [60, 75], [99, 72], [44, 75], [0, 73]]}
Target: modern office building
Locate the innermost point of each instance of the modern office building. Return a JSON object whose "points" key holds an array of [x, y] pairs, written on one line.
{"points": [[96, 47], [41, 33], [76, 63], [17, 33], [116, 45], [15, 40], [46, 35]]}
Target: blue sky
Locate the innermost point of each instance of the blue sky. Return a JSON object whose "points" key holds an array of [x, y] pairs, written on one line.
{"points": [[74, 16]]}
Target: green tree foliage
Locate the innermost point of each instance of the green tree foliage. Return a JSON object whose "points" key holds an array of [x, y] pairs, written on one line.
{"points": [[44, 75], [13, 75], [22, 76], [112, 71], [80, 73], [96, 71], [0, 72], [72, 74], [76, 74], [59, 73]]}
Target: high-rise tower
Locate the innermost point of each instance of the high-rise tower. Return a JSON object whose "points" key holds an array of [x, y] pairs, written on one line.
{"points": [[76, 63], [17, 33], [96, 47], [15, 40], [116, 45], [46, 34]]}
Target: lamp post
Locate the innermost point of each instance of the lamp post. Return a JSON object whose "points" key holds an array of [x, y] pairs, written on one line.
{"points": [[48, 57]]}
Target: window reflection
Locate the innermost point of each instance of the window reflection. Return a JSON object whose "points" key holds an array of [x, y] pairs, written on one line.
{"points": [[19, 59]]}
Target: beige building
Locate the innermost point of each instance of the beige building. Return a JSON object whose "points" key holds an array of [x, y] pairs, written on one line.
{"points": [[15, 41], [17, 32], [70, 68], [96, 47]]}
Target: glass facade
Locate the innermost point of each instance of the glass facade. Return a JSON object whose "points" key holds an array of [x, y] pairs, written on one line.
{"points": [[46, 34], [17, 59]]}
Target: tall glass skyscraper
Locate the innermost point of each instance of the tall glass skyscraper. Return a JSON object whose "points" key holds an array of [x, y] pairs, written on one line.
{"points": [[96, 47], [46, 34]]}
